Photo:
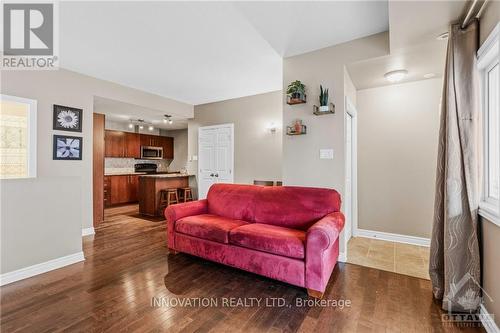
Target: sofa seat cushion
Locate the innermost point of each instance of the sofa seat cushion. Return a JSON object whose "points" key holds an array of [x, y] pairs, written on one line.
{"points": [[270, 238], [208, 226]]}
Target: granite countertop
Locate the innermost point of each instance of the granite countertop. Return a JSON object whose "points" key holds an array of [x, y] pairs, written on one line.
{"points": [[168, 175], [124, 173]]}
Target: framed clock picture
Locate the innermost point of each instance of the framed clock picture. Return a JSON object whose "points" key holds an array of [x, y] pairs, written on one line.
{"points": [[66, 118]]}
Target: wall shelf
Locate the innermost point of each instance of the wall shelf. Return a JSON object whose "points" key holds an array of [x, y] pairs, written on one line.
{"points": [[293, 101], [317, 112], [290, 130]]}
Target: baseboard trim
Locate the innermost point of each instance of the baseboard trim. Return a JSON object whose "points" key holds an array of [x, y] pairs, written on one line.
{"points": [[487, 320], [392, 237], [342, 257], [41, 268], [88, 231]]}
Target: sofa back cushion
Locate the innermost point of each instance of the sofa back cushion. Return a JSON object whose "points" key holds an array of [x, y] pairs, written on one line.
{"points": [[286, 206], [232, 201]]}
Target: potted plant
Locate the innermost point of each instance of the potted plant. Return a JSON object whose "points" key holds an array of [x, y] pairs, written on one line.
{"points": [[296, 91], [323, 99]]}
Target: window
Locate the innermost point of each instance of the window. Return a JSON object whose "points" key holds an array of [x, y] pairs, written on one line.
{"points": [[488, 58], [17, 137]]}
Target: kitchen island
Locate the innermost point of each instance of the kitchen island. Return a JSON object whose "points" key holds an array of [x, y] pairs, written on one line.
{"points": [[150, 187]]}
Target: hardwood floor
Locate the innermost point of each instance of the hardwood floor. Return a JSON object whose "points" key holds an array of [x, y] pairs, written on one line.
{"points": [[127, 264]]}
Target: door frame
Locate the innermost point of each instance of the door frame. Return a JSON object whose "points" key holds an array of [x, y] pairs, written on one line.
{"points": [[231, 127], [350, 111]]}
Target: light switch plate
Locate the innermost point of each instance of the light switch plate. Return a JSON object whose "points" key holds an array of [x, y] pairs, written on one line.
{"points": [[326, 154], [195, 157]]}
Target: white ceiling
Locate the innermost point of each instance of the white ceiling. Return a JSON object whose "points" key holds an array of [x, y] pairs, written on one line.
{"points": [[200, 52], [293, 28], [124, 112], [414, 26], [418, 61]]}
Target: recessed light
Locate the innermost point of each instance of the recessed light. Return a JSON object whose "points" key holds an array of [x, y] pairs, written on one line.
{"points": [[396, 76], [442, 36], [429, 75]]}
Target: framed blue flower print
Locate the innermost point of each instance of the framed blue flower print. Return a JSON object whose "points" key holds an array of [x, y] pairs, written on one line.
{"points": [[67, 147]]}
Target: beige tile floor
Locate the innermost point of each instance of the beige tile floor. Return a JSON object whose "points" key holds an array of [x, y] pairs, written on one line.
{"points": [[400, 258]]}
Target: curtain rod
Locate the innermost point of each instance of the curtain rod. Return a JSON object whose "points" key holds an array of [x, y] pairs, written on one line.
{"points": [[470, 12]]}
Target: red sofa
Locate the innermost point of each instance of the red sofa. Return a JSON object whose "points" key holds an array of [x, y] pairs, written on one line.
{"points": [[285, 233]]}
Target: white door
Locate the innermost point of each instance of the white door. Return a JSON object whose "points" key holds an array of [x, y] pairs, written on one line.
{"points": [[215, 156]]}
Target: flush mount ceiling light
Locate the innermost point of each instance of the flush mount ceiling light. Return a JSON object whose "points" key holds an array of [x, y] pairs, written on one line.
{"points": [[168, 119], [429, 75], [396, 76]]}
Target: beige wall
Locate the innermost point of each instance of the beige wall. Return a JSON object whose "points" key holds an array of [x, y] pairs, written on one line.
{"points": [[257, 151], [489, 19], [180, 148], [398, 129], [42, 217], [491, 232], [301, 163]]}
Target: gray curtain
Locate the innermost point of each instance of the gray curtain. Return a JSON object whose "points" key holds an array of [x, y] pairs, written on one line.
{"points": [[454, 265]]}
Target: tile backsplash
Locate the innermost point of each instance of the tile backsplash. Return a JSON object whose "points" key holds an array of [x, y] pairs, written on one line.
{"points": [[127, 164]]}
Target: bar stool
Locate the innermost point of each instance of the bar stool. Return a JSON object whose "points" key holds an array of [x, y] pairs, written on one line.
{"points": [[186, 194], [167, 197]]}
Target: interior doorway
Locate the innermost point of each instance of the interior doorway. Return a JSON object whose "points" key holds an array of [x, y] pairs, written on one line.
{"points": [[350, 195]]}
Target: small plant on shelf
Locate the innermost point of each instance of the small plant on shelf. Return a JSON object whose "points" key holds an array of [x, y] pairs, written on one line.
{"points": [[325, 107], [296, 128], [323, 99], [296, 92]]}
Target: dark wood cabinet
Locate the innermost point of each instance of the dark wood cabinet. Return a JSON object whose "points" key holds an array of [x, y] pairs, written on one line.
{"points": [[132, 145], [120, 189], [122, 144], [128, 145]]}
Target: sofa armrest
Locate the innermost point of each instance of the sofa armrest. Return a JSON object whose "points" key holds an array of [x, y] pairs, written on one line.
{"points": [[322, 250], [176, 212]]}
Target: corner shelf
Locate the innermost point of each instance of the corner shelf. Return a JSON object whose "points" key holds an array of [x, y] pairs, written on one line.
{"points": [[317, 112], [290, 130]]}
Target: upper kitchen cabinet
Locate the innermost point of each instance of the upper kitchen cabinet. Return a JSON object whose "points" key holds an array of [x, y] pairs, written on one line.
{"points": [[121, 144], [167, 143]]}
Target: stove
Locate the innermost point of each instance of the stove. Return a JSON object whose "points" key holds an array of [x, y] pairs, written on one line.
{"points": [[145, 167]]}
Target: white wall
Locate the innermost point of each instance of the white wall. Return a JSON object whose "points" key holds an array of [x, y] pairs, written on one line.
{"points": [[398, 129], [42, 218], [257, 151]]}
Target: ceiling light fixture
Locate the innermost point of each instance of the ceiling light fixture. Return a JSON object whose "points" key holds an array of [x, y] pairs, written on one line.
{"points": [[396, 76], [130, 125], [429, 75], [151, 128], [168, 119], [141, 127]]}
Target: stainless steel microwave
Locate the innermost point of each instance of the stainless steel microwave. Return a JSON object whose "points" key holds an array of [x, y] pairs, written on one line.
{"points": [[151, 153]]}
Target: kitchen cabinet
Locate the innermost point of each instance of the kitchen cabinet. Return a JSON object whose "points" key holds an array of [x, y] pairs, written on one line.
{"points": [[120, 189], [121, 144], [128, 145], [166, 142]]}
